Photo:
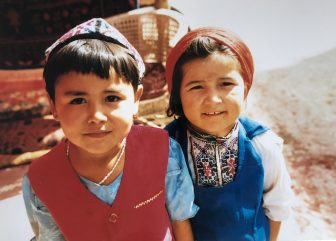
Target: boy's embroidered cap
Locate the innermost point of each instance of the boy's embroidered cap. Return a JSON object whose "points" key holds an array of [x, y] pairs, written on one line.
{"points": [[96, 28], [224, 37]]}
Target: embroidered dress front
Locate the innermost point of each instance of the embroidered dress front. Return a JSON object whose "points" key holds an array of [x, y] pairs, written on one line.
{"points": [[214, 159]]}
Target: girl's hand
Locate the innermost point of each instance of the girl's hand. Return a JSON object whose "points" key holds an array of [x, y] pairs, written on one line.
{"points": [[182, 230]]}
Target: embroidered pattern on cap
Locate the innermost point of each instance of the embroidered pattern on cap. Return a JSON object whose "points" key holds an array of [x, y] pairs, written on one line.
{"points": [[98, 27]]}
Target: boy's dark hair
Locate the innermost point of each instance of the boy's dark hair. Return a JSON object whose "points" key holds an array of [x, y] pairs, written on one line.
{"points": [[90, 56], [200, 47]]}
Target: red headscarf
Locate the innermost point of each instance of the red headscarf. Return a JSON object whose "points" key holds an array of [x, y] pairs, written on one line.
{"points": [[224, 37]]}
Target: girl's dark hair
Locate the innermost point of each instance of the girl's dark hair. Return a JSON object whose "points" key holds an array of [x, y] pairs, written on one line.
{"points": [[200, 47], [90, 56]]}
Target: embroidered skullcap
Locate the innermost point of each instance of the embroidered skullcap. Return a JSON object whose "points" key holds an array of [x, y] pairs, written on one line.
{"points": [[96, 28], [221, 36]]}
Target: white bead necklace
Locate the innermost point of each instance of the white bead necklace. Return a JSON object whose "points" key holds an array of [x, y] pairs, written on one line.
{"points": [[114, 165]]}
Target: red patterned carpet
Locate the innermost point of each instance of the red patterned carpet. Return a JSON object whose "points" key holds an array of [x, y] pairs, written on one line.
{"points": [[23, 111], [20, 142]]}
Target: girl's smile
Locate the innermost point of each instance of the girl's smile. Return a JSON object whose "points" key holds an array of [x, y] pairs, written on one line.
{"points": [[215, 113]]}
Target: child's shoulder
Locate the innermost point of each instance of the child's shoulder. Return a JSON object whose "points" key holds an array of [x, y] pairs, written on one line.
{"points": [[259, 131], [269, 138], [146, 131], [54, 152], [174, 126], [252, 127], [270, 146], [48, 163]]}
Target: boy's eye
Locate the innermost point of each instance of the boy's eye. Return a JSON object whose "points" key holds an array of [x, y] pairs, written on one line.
{"points": [[112, 98], [77, 101], [196, 87]]}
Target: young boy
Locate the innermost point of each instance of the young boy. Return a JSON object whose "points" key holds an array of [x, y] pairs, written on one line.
{"points": [[109, 180]]}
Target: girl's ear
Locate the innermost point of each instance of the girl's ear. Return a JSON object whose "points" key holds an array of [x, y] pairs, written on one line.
{"points": [[53, 108], [137, 97], [245, 91], [244, 106], [245, 103]]}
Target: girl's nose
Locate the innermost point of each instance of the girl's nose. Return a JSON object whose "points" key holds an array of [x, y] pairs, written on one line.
{"points": [[214, 97]]}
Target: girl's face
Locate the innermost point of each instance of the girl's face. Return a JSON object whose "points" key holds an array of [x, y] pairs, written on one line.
{"points": [[95, 114], [212, 93]]}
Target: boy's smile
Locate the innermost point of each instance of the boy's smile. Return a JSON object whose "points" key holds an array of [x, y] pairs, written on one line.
{"points": [[97, 134], [95, 114], [212, 93]]}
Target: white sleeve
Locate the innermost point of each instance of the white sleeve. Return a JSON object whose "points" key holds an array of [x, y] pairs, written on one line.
{"points": [[278, 195]]}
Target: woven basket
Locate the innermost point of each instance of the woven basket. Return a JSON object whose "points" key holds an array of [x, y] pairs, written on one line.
{"points": [[153, 32]]}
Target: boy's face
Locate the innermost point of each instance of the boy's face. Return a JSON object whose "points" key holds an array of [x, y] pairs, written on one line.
{"points": [[95, 114], [212, 93]]}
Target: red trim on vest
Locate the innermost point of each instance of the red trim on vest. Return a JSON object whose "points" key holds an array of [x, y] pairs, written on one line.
{"points": [[138, 212]]}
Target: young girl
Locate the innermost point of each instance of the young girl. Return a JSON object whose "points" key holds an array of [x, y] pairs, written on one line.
{"points": [[109, 180], [241, 183]]}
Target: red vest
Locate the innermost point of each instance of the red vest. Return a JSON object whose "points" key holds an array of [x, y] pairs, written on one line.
{"points": [[138, 212]]}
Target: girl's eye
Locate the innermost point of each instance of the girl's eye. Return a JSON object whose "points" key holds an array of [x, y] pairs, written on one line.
{"points": [[78, 101], [226, 84], [112, 98]]}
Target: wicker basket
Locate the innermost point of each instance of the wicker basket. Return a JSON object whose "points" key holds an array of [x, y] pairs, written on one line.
{"points": [[153, 32]]}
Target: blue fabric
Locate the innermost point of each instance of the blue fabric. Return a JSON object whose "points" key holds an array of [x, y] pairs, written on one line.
{"points": [[234, 211], [179, 196]]}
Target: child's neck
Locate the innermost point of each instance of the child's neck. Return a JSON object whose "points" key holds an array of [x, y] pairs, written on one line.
{"points": [[206, 135], [95, 167]]}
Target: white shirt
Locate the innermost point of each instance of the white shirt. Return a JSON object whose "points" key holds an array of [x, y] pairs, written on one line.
{"points": [[278, 195]]}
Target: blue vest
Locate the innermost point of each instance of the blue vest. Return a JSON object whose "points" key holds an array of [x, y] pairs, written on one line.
{"points": [[233, 212]]}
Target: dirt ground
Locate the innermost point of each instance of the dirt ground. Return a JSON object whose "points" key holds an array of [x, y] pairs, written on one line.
{"points": [[299, 102]]}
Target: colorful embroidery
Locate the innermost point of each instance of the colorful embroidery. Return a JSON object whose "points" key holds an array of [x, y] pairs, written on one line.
{"points": [[215, 159], [98, 27]]}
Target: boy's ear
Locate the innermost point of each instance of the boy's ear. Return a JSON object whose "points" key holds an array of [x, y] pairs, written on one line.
{"points": [[137, 97], [52, 108]]}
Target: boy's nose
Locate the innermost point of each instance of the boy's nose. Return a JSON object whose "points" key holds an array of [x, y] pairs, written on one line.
{"points": [[97, 115]]}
